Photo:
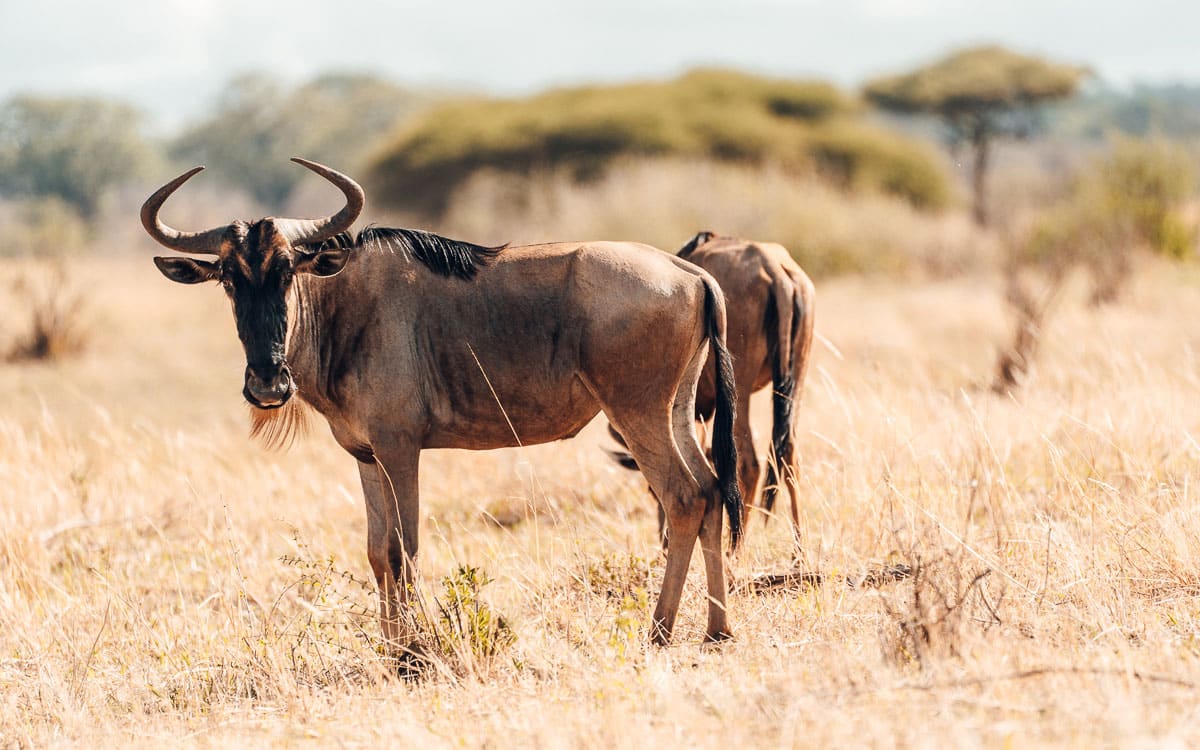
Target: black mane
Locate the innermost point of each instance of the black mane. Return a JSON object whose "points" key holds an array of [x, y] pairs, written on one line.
{"points": [[441, 255], [695, 242]]}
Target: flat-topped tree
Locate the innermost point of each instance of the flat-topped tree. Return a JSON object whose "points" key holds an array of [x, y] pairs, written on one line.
{"points": [[980, 94]]}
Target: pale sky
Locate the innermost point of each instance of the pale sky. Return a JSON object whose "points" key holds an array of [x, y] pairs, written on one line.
{"points": [[170, 57]]}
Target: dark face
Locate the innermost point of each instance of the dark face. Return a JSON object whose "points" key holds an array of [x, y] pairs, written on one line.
{"points": [[256, 268]]}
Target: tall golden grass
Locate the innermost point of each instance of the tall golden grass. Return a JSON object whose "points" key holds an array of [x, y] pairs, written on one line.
{"points": [[666, 201], [165, 581]]}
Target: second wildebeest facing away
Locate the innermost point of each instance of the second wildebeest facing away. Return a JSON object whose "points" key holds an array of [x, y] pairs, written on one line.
{"points": [[404, 340], [770, 302]]}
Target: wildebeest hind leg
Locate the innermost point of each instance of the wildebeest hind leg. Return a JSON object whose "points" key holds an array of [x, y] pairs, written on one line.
{"points": [[749, 468], [689, 445], [648, 434], [790, 471]]}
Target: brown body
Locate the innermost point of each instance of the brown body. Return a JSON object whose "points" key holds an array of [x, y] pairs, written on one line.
{"points": [[770, 303], [541, 341], [413, 341]]}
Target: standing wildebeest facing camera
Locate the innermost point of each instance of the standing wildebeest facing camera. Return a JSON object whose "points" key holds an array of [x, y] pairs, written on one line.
{"points": [[770, 302], [405, 340]]}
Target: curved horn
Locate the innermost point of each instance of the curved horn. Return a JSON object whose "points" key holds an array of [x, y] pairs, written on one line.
{"points": [[308, 231], [198, 243]]}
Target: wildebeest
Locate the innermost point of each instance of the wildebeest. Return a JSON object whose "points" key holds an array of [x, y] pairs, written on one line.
{"points": [[426, 342], [770, 307]]}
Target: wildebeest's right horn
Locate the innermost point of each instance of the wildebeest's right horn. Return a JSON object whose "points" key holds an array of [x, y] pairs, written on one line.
{"points": [[308, 231], [200, 243]]}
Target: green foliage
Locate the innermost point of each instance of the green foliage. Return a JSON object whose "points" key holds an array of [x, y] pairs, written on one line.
{"points": [[620, 575], [1143, 182], [976, 80], [626, 579], [1131, 195], [629, 625], [863, 157], [705, 114], [1127, 199], [258, 125], [466, 627], [70, 148]]}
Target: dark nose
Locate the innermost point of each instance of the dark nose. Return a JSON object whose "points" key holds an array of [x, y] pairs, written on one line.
{"points": [[270, 389]]}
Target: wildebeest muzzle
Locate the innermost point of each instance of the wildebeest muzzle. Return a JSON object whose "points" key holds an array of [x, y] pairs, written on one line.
{"points": [[269, 391]]}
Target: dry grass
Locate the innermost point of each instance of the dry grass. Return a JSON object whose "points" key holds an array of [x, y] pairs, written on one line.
{"points": [[665, 202], [163, 580], [54, 303]]}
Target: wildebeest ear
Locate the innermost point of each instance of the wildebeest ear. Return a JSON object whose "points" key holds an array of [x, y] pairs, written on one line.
{"points": [[186, 270], [323, 262]]}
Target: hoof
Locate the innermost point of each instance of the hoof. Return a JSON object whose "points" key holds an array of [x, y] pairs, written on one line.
{"points": [[408, 664], [659, 635], [720, 636]]}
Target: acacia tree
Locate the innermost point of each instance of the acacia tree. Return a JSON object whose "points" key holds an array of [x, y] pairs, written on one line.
{"points": [[980, 94]]}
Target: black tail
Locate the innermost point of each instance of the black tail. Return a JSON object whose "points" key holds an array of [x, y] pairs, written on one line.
{"points": [[724, 449], [783, 391]]}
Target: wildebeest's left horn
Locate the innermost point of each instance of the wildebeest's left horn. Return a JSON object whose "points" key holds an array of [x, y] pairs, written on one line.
{"points": [[308, 231], [207, 242]]}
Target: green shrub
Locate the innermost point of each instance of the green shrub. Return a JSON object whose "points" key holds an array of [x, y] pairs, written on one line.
{"points": [[57, 307], [1126, 200], [718, 114], [1144, 182], [1130, 196], [863, 157], [465, 629]]}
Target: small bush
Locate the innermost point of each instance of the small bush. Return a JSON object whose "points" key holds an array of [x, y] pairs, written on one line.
{"points": [[620, 575], [1143, 183], [624, 579], [461, 628], [931, 615], [1125, 201], [57, 310]]}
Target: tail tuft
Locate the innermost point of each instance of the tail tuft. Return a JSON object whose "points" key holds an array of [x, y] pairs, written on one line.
{"points": [[724, 448], [783, 391]]}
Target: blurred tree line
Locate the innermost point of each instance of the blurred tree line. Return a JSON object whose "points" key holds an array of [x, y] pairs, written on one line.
{"points": [[65, 161], [62, 158], [71, 149], [258, 124], [1170, 111]]}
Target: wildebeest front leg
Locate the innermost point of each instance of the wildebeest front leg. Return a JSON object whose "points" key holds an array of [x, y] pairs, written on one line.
{"points": [[393, 516]]}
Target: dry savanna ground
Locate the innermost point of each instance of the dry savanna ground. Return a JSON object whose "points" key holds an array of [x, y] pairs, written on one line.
{"points": [[164, 580]]}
